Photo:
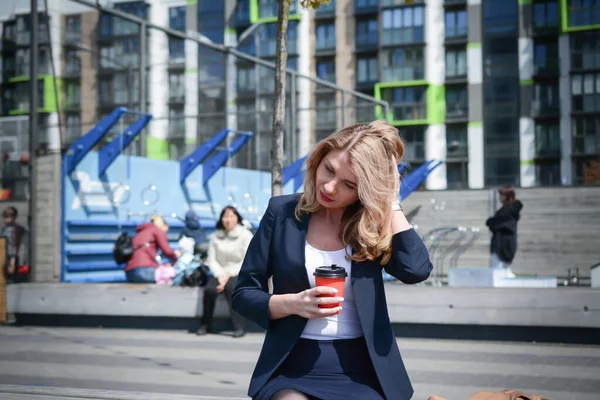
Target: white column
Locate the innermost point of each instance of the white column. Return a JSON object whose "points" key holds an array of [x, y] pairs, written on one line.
{"points": [[191, 90], [158, 88], [527, 151], [230, 39], [435, 135], [475, 128], [566, 145], [55, 38], [526, 123], [303, 121], [475, 149]]}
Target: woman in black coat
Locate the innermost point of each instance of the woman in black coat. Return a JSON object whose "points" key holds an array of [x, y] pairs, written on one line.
{"points": [[503, 226]]}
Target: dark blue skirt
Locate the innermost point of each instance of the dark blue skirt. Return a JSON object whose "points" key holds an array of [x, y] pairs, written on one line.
{"points": [[327, 370]]}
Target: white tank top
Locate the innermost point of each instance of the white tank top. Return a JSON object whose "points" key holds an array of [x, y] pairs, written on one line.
{"points": [[345, 325]]}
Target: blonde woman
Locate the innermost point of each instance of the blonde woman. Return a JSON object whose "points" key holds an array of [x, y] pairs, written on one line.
{"points": [[348, 215]]}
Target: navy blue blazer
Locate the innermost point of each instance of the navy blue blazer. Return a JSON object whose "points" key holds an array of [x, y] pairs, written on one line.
{"points": [[277, 250]]}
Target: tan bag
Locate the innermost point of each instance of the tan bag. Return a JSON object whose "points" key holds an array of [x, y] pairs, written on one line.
{"points": [[508, 394]]}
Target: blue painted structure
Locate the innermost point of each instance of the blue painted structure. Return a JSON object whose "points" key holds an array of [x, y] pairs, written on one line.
{"points": [[108, 192]]}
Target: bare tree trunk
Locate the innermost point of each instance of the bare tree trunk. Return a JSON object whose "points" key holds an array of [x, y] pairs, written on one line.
{"points": [[279, 101]]}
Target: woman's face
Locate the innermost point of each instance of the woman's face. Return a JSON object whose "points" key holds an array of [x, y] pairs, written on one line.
{"points": [[336, 184], [229, 220]]}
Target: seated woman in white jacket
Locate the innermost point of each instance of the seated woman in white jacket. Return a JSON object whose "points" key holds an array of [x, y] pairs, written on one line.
{"points": [[226, 251]]}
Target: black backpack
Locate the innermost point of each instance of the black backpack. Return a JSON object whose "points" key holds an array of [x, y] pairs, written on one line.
{"points": [[123, 249]]}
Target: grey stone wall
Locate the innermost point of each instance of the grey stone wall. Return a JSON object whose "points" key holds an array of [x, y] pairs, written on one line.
{"points": [[559, 227], [48, 217]]}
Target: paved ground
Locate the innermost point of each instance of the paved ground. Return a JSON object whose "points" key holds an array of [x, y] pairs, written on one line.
{"points": [[37, 363]]}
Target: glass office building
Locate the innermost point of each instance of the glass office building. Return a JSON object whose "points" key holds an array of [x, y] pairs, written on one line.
{"points": [[504, 91]]}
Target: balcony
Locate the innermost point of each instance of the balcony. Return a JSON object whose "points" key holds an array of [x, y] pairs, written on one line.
{"points": [[367, 42], [456, 111], [403, 73], [325, 45], [326, 11], [414, 151], [176, 96], [409, 112], [457, 149], [547, 150], [177, 127], [362, 7], [72, 37], [394, 3], [546, 109], [550, 68]]}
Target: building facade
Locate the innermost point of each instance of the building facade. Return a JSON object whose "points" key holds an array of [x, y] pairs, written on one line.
{"points": [[503, 91]]}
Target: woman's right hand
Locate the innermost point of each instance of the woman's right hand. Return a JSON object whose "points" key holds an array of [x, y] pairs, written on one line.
{"points": [[306, 303]]}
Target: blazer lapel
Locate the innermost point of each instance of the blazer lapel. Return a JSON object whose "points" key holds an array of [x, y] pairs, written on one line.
{"points": [[298, 241]]}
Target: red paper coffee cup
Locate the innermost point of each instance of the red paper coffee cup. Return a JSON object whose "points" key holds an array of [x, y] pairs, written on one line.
{"points": [[332, 276]]}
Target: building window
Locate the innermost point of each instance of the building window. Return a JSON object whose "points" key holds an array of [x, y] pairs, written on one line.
{"points": [[325, 33], [176, 50], [176, 122], [125, 88], [73, 95], [548, 173], [367, 70], [545, 58], [105, 92], [414, 143], [211, 19], [268, 39], [367, 33], [125, 27], [326, 70], [177, 18], [456, 63], [500, 17], [72, 62], [246, 82], [545, 15], [126, 51], [176, 87], [407, 103], [268, 8], [547, 140], [457, 102], [73, 127], [457, 175], [546, 100], [177, 22], [402, 25], [583, 12], [22, 65], [586, 135], [587, 170], [456, 24], [585, 91], [457, 141], [326, 9], [362, 5], [326, 115], [73, 27], [585, 50], [403, 64]]}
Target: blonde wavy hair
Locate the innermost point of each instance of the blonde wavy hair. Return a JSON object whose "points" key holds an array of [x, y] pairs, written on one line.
{"points": [[374, 151]]}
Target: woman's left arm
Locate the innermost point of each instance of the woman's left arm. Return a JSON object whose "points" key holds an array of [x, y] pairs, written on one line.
{"points": [[410, 259]]}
